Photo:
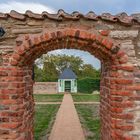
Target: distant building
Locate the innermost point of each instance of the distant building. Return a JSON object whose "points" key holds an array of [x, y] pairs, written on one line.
{"points": [[67, 81]]}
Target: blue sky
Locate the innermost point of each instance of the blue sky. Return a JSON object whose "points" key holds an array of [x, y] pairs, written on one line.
{"points": [[83, 6], [98, 6]]}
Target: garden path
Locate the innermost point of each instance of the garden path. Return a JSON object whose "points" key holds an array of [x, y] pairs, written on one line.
{"points": [[67, 124]]}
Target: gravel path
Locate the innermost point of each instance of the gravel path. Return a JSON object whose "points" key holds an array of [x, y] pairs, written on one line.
{"points": [[67, 124]]}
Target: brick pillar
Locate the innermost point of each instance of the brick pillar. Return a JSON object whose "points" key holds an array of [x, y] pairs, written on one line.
{"points": [[104, 104], [116, 105], [16, 103]]}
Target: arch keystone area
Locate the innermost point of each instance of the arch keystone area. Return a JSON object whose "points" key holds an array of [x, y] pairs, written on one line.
{"points": [[30, 43], [113, 39]]}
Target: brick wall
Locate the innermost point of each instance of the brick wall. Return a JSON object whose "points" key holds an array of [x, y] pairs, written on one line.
{"points": [[45, 88], [114, 40]]}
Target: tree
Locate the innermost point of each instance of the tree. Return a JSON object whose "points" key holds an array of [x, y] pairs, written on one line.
{"points": [[63, 61], [38, 73], [53, 65], [50, 72], [88, 71]]}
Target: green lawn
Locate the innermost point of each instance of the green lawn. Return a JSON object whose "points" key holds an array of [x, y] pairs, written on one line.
{"points": [[44, 118], [86, 97], [48, 97], [89, 117]]}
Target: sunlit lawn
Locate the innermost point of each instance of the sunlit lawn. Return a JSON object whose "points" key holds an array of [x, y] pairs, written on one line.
{"points": [[45, 114], [86, 97], [77, 97], [89, 117], [44, 118], [48, 97]]}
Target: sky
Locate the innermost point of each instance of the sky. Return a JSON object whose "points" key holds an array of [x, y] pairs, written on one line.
{"points": [[83, 6]]}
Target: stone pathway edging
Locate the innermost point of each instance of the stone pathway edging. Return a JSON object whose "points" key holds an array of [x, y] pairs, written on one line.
{"points": [[86, 102], [67, 124], [45, 103]]}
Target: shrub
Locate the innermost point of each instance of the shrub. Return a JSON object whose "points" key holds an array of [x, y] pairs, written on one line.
{"points": [[88, 85]]}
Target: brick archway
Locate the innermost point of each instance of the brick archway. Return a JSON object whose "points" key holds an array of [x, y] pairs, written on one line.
{"points": [[30, 47], [119, 74]]}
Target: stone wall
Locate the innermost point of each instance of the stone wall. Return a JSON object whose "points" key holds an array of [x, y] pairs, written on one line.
{"points": [[114, 40], [45, 88]]}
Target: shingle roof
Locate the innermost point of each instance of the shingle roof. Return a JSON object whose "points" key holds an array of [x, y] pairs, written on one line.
{"points": [[67, 74], [61, 15]]}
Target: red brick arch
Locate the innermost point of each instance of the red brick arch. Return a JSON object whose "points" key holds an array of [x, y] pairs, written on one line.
{"points": [[115, 89], [29, 47]]}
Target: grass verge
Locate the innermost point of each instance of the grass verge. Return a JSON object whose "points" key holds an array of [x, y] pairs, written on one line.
{"points": [[44, 119], [86, 97], [48, 97], [89, 118]]}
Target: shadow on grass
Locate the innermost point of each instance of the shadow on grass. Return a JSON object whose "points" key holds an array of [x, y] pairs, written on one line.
{"points": [[48, 97], [44, 119], [86, 97], [89, 118]]}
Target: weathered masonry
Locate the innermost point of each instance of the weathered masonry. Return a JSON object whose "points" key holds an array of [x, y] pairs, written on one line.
{"points": [[114, 40]]}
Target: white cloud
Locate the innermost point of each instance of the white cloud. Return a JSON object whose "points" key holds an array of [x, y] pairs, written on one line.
{"points": [[21, 7]]}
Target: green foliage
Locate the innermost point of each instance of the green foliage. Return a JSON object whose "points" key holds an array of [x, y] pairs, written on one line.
{"points": [[38, 74], [53, 65], [88, 85], [61, 62], [89, 71], [50, 72]]}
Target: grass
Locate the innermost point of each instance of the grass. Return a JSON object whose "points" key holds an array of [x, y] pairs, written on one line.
{"points": [[89, 117], [48, 97], [86, 97], [44, 118]]}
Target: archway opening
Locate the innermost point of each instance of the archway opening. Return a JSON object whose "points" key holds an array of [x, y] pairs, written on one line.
{"points": [[47, 70], [50, 66]]}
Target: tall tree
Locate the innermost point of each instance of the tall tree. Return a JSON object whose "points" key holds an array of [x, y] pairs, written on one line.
{"points": [[53, 65], [38, 74], [63, 61], [88, 71], [50, 72]]}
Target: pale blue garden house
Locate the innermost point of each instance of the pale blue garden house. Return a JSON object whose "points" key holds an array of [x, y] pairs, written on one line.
{"points": [[67, 81]]}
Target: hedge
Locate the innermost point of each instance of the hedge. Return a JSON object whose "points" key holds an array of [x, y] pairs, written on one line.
{"points": [[88, 85]]}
